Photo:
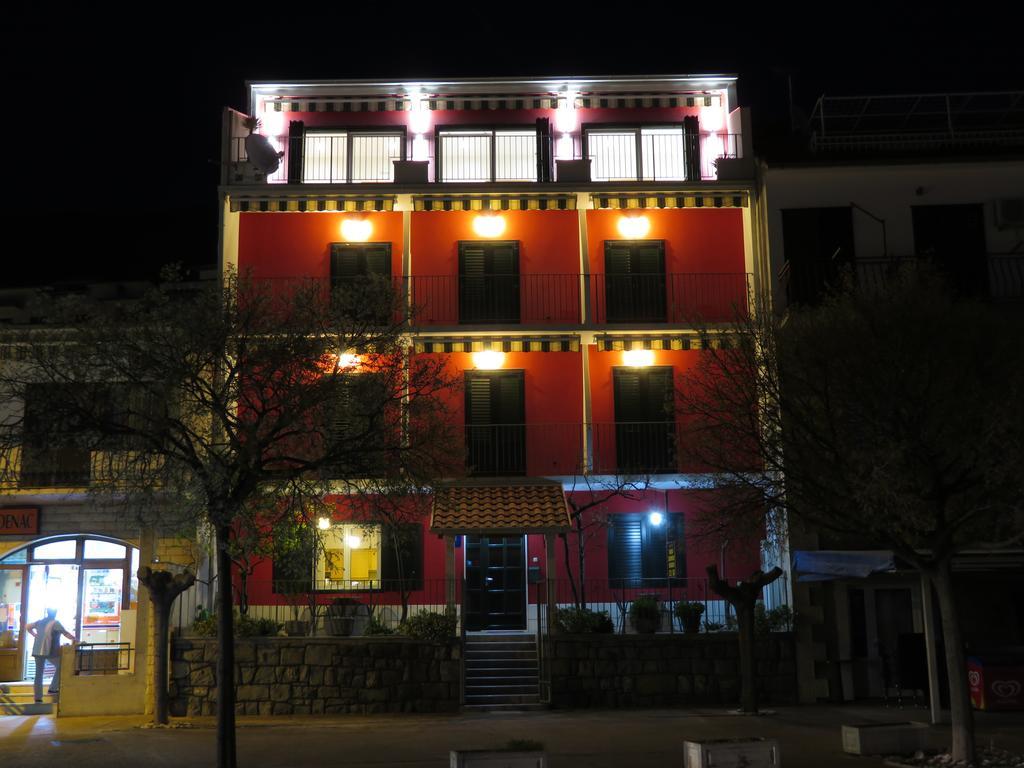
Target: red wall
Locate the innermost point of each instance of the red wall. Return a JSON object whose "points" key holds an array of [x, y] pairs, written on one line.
{"points": [[299, 244], [696, 239]]}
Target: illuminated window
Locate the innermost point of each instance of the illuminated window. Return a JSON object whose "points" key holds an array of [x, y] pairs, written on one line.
{"points": [[488, 155], [349, 557], [342, 156], [656, 153]]}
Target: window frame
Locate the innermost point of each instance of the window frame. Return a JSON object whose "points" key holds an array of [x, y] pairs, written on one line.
{"points": [[351, 132], [586, 129], [673, 523], [493, 129], [625, 427], [516, 438], [514, 279]]}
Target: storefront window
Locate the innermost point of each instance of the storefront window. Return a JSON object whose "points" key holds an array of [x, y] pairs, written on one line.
{"points": [[349, 557], [57, 550], [103, 550]]}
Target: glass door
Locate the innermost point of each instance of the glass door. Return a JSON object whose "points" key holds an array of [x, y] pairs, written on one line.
{"points": [[495, 583], [13, 588], [102, 597], [51, 585]]}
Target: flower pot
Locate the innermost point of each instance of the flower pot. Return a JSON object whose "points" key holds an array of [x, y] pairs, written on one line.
{"points": [[296, 628], [691, 624], [646, 625]]}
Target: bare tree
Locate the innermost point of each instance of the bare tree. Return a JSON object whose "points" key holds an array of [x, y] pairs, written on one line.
{"points": [[891, 417], [236, 406]]}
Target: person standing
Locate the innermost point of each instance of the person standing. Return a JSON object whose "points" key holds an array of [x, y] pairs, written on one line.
{"points": [[46, 647]]}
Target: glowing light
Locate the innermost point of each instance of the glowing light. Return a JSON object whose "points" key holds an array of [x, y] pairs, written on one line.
{"points": [[419, 120], [353, 542], [564, 147], [638, 358], [634, 227], [272, 123], [656, 518], [565, 115], [324, 523], [488, 359], [348, 360], [712, 119], [356, 230], [489, 226], [419, 148]]}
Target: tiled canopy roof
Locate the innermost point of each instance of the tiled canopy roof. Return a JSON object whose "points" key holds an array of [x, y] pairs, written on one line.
{"points": [[500, 507]]}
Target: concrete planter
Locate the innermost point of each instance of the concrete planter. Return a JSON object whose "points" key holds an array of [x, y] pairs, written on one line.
{"points": [[885, 738], [727, 753], [482, 758]]}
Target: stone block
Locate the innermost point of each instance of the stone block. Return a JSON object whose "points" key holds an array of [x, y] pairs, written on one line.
{"points": [[318, 655], [253, 693], [245, 652], [264, 675], [372, 679], [288, 674], [210, 651], [280, 692], [267, 654], [328, 692], [292, 655], [202, 676], [651, 685], [725, 667], [368, 696], [315, 675], [317, 707], [282, 708], [684, 685], [246, 674]]}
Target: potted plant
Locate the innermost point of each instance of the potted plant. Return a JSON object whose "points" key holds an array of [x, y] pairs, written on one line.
{"points": [[645, 614], [689, 615], [341, 616]]}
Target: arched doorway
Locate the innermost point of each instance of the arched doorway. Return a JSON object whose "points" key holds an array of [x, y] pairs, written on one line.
{"points": [[90, 580]]}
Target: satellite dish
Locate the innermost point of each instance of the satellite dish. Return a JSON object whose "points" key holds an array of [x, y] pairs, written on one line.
{"points": [[259, 150]]}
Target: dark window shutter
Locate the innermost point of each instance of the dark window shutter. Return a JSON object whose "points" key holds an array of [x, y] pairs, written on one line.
{"points": [[625, 549], [495, 419], [409, 540], [654, 552], [488, 282], [545, 163], [508, 406], [635, 281], [691, 147], [478, 400], [296, 141], [360, 280], [364, 260], [644, 419]]}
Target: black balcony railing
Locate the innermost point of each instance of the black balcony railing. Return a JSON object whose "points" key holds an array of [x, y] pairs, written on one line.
{"points": [[998, 276], [481, 299]]}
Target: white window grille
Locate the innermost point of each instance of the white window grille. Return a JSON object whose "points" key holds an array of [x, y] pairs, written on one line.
{"points": [[327, 156], [613, 154], [488, 155], [373, 157], [663, 153]]}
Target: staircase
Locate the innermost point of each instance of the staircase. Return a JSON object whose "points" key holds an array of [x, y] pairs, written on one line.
{"points": [[17, 699], [501, 672]]}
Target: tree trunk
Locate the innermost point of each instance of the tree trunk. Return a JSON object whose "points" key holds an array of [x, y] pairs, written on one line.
{"points": [[961, 714], [748, 693], [581, 553], [226, 752], [568, 570], [163, 588]]}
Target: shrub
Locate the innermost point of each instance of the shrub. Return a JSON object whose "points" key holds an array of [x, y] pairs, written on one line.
{"points": [[205, 625], [377, 627], [583, 621], [777, 619], [689, 614], [433, 627], [645, 614]]}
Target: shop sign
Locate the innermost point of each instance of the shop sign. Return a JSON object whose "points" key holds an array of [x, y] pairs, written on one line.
{"points": [[19, 520]]}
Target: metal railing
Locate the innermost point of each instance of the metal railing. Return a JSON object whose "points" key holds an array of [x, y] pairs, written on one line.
{"points": [[530, 299], [342, 609], [715, 147], [103, 658], [1000, 279], [616, 596], [488, 156]]}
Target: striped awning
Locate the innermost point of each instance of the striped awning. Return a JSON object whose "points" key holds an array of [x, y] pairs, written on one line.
{"points": [[616, 342], [457, 202], [499, 343], [311, 203], [623, 200], [435, 102]]}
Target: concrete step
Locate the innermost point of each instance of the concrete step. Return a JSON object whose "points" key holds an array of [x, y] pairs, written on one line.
{"points": [[503, 698], [500, 679], [502, 690], [504, 707], [525, 653], [28, 708], [478, 664]]}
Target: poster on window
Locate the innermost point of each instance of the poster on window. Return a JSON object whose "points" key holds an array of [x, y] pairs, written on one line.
{"points": [[101, 597]]}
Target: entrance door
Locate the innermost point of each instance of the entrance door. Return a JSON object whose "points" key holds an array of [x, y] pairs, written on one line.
{"points": [[495, 582], [13, 590]]}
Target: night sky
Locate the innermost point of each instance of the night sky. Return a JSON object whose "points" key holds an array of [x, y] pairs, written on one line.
{"points": [[113, 118]]}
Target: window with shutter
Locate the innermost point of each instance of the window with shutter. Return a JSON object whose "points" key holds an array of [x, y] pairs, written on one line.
{"points": [[495, 423], [488, 282], [644, 419], [638, 549], [361, 282], [55, 447], [355, 428], [634, 281]]}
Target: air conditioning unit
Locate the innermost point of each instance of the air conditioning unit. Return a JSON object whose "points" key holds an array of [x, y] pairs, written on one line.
{"points": [[1010, 213]]}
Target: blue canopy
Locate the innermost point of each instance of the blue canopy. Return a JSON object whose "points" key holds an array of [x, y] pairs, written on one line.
{"points": [[825, 564]]}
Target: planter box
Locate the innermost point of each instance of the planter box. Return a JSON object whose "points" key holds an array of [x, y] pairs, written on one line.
{"points": [[410, 171], [885, 738], [482, 758], [572, 170], [731, 753]]}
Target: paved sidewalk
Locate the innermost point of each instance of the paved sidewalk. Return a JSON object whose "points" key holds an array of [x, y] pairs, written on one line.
{"points": [[809, 737]]}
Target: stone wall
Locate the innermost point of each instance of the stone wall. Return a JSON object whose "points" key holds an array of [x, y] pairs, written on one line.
{"points": [[664, 670], [285, 676]]}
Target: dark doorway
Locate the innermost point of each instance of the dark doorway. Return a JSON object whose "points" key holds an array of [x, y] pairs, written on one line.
{"points": [[645, 429], [495, 583], [952, 237], [817, 243], [488, 282], [495, 423]]}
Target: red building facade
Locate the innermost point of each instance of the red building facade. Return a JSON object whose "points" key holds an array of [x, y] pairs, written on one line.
{"points": [[578, 233]]}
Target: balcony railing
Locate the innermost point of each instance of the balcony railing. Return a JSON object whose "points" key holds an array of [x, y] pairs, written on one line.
{"points": [[629, 448], [535, 299], [999, 277]]}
